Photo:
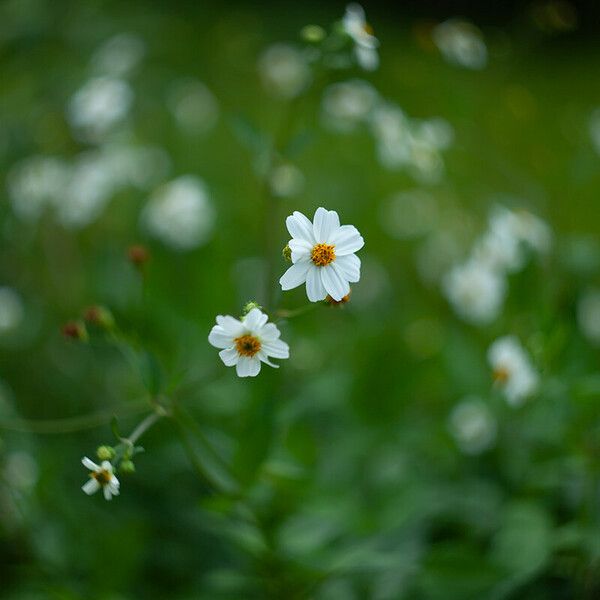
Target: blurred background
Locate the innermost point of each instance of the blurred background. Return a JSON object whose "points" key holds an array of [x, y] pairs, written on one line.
{"points": [[394, 455]]}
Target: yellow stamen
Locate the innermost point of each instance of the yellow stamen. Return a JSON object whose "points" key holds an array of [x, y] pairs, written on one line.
{"points": [[367, 28], [500, 375], [247, 345], [323, 254], [102, 477]]}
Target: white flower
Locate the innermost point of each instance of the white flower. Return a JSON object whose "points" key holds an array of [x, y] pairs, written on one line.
{"points": [[365, 43], [472, 425], [323, 255], [588, 315], [286, 180], [284, 70], [193, 105], [347, 104], [475, 291], [119, 55], [101, 477], [180, 214], [512, 369], [248, 342], [461, 43], [98, 106], [11, 310]]}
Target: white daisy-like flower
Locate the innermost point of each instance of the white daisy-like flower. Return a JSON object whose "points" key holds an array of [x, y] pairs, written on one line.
{"points": [[472, 425], [365, 43], [101, 477], [475, 290], [461, 43], [512, 369], [248, 342], [322, 255]]}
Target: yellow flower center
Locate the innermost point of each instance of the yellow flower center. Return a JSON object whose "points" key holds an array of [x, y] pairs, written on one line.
{"points": [[247, 345], [102, 477], [367, 28], [500, 375], [323, 254]]}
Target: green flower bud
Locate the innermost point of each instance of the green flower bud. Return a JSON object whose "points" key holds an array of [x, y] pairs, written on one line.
{"points": [[312, 33], [105, 452], [100, 316], [249, 306], [127, 466], [287, 253], [75, 330]]}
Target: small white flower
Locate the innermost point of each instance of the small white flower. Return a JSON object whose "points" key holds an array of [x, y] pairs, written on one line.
{"points": [[475, 291], [101, 477], [248, 342], [323, 255], [512, 369], [461, 43], [180, 213], [365, 43], [347, 104], [472, 425], [119, 55], [284, 70], [98, 106]]}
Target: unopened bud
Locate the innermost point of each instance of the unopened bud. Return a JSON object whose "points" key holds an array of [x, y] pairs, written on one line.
{"points": [[127, 466], [138, 255], [100, 316], [312, 33], [105, 452], [75, 330], [329, 300], [287, 253], [249, 306]]}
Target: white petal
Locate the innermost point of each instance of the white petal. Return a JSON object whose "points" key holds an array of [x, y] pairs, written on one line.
{"points": [[248, 366], [276, 349], [264, 358], [219, 338], [325, 223], [231, 326], [349, 267], [337, 287], [314, 286], [269, 332], [89, 464], [295, 275], [347, 240], [301, 249], [91, 486], [300, 227], [229, 357], [255, 319], [114, 486], [107, 492]]}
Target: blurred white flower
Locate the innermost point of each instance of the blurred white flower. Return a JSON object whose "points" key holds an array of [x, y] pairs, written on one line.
{"points": [[513, 372], [284, 70], [119, 55], [193, 105], [286, 180], [461, 43], [11, 310], [21, 470], [426, 163], [347, 104], [180, 213], [509, 238], [475, 291], [472, 425], [409, 214], [588, 315], [248, 342], [141, 167], [365, 43], [594, 129], [436, 132], [36, 182], [101, 477], [323, 255], [98, 106], [392, 131]]}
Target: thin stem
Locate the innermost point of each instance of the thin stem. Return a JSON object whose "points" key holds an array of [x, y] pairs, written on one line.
{"points": [[144, 426], [290, 313]]}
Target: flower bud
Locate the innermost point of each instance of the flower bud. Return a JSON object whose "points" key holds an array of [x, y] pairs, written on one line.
{"points": [[249, 306], [100, 316], [138, 255], [312, 33], [75, 330], [105, 452], [287, 253], [329, 300], [127, 466]]}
